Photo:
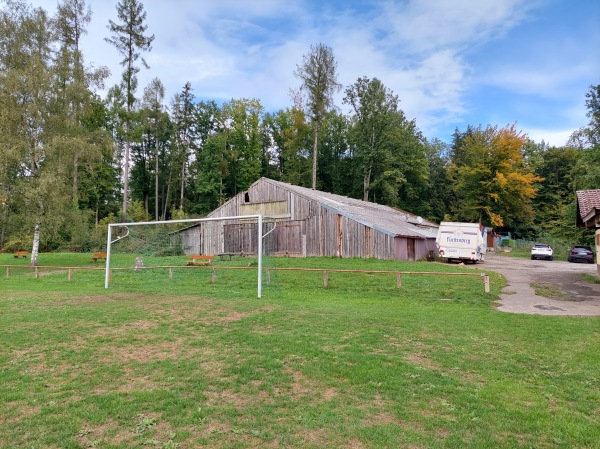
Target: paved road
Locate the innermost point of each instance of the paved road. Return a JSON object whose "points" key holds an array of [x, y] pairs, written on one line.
{"points": [[519, 296]]}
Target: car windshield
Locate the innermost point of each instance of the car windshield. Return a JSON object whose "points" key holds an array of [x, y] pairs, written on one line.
{"points": [[542, 246]]}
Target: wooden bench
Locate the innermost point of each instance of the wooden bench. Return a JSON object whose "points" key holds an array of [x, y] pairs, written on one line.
{"points": [[287, 254], [22, 254], [99, 256], [200, 260], [222, 256]]}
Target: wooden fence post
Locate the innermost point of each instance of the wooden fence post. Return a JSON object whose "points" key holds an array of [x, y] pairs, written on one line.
{"points": [[398, 280], [37, 272], [7, 272], [325, 279], [268, 273], [170, 272], [70, 275], [486, 283], [214, 275]]}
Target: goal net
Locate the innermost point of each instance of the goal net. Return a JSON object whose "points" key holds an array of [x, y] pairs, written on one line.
{"points": [[189, 243]]}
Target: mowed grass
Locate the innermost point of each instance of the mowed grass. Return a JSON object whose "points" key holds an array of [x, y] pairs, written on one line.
{"points": [[184, 362]]}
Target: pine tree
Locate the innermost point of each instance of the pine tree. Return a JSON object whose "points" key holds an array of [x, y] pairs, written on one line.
{"points": [[129, 39]]}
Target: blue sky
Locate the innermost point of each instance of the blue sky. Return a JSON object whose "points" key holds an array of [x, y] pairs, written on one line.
{"points": [[453, 63]]}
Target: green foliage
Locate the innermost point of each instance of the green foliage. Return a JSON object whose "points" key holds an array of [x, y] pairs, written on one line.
{"points": [[64, 148], [290, 135], [439, 191], [18, 243], [137, 211]]}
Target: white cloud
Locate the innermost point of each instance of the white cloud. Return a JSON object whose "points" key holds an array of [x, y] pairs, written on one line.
{"points": [[428, 25], [552, 137], [421, 49]]}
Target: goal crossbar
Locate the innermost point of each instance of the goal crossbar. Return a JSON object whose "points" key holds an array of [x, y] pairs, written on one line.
{"points": [[259, 218]]}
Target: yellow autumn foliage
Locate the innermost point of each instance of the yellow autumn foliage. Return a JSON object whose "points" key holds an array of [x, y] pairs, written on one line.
{"points": [[491, 178]]}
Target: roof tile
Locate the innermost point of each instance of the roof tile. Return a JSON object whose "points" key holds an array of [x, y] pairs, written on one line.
{"points": [[588, 200]]}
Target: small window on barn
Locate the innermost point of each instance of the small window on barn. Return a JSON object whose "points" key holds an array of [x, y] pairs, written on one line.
{"points": [[246, 197]]}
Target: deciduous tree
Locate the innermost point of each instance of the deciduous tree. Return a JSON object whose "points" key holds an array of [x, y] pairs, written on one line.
{"points": [[318, 73], [373, 106], [587, 140], [492, 184]]}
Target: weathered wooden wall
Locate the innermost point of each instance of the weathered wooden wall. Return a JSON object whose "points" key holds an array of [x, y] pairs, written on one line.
{"points": [[303, 227]]}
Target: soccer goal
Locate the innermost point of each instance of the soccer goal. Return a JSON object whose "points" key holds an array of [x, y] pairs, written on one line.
{"points": [[163, 243]]}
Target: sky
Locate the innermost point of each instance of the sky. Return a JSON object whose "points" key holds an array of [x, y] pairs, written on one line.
{"points": [[452, 63]]}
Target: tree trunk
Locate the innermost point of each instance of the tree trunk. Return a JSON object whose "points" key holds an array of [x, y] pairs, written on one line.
{"points": [[182, 186], [314, 167], [126, 171], [36, 245], [4, 206], [366, 184], [156, 184], [75, 180], [162, 202], [166, 205]]}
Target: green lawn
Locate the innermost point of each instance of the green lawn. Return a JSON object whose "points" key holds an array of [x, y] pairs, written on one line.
{"points": [[184, 362]]}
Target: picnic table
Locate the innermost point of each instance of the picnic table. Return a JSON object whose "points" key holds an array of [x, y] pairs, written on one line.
{"points": [[200, 260], [99, 256], [222, 256]]}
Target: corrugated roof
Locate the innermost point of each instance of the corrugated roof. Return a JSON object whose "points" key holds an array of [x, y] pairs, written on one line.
{"points": [[392, 221]]}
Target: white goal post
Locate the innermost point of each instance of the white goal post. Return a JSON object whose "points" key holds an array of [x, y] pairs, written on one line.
{"points": [[110, 241]]}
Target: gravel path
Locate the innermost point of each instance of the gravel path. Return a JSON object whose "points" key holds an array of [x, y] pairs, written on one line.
{"points": [[519, 297]]}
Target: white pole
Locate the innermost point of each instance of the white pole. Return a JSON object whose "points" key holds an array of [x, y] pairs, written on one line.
{"points": [[187, 220], [260, 256], [106, 276]]}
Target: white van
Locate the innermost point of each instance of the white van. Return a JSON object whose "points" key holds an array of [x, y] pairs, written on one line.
{"points": [[461, 241]]}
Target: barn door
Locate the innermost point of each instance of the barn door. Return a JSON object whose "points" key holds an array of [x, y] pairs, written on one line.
{"points": [[410, 246]]}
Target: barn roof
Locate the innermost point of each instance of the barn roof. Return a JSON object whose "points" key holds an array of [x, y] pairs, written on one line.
{"points": [[588, 207], [389, 220]]}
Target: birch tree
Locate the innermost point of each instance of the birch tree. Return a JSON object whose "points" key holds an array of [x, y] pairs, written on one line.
{"points": [[25, 84], [318, 73]]}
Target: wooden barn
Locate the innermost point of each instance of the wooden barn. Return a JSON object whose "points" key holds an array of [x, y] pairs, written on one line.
{"points": [[304, 222]]}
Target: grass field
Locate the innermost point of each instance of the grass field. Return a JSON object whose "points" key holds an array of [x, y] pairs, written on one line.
{"points": [[183, 362]]}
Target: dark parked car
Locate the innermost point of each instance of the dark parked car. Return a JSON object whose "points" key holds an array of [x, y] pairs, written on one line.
{"points": [[583, 253]]}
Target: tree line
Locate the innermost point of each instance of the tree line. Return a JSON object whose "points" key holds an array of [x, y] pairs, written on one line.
{"points": [[73, 161]]}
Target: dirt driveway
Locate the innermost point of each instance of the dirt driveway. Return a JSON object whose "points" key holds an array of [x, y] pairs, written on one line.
{"points": [[580, 297]]}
